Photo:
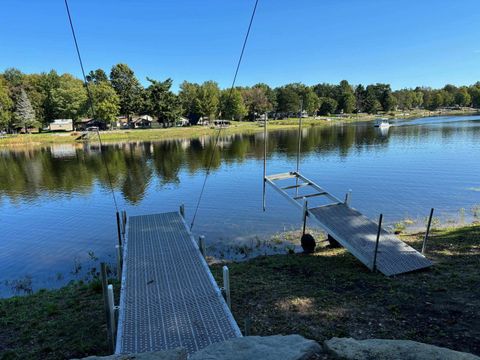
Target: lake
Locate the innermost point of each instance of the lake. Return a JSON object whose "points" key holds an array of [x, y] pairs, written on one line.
{"points": [[58, 217]]}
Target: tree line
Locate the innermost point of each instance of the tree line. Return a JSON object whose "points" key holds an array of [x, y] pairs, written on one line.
{"points": [[34, 100]]}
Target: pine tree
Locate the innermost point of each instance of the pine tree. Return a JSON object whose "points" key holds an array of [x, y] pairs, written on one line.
{"points": [[24, 113]]}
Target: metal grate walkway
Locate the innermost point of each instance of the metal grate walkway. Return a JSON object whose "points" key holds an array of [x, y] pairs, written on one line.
{"points": [[358, 234], [350, 228], [169, 298]]}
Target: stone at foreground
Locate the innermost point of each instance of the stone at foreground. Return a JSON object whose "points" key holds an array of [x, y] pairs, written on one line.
{"points": [[379, 349], [176, 354], [277, 347]]}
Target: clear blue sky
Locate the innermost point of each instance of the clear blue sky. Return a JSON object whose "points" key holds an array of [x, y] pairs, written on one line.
{"points": [[404, 42]]}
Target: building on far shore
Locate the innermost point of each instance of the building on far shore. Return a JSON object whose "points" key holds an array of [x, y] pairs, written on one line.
{"points": [[142, 122], [61, 125]]}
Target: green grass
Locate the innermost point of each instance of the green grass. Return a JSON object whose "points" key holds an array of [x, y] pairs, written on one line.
{"points": [[330, 294], [319, 296], [54, 324]]}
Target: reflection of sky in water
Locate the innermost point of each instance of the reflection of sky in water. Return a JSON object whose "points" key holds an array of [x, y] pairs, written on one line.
{"points": [[56, 208]]}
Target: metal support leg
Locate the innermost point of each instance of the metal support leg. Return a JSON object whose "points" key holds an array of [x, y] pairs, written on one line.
{"points": [[201, 245], [119, 251], [110, 334], [111, 308], [226, 286], [182, 210], [119, 232], [374, 266], [348, 198], [424, 245], [305, 214]]}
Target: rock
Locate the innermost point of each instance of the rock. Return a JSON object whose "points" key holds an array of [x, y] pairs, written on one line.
{"points": [[176, 354], [290, 347], [380, 349]]}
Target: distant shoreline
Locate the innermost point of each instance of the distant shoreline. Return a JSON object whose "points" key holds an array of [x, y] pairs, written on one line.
{"points": [[192, 132]]}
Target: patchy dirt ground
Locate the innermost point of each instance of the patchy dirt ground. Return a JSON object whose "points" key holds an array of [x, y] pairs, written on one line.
{"points": [[330, 293]]}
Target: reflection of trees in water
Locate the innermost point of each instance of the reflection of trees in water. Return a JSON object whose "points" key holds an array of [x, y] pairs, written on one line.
{"points": [[29, 173]]}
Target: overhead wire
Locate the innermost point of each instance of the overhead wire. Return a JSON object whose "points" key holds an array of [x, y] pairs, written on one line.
{"points": [[220, 128], [92, 107]]}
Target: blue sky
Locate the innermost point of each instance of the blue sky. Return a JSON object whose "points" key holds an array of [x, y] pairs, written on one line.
{"points": [[404, 42]]}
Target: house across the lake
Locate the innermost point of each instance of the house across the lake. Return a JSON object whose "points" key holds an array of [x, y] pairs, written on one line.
{"points": [[142, 122], [86, 124], [61, 125]]}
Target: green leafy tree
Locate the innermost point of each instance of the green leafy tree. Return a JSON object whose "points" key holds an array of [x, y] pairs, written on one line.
{"points": [[69, 98], [188, 99], [269, 93], [256, 101], [346, 102], [232, 105], [97, 76], [372, 104], [106, 101], [24, 114], [6, 105], [327, 106], [163, 103], [208, 99], [288, 100], [462, 97], [128, 89], [360, 95], [474, 92]]}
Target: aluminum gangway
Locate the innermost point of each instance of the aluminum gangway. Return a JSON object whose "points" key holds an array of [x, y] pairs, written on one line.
{"points": [[366, 240], [168, 298]]}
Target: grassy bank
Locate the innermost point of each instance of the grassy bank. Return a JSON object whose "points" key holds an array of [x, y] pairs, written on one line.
{"points": [[319, 296], [199, 131], [331, 294], [54, 324]]}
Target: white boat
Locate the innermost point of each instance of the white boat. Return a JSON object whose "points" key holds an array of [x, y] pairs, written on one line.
{"points": [[383, 123]]}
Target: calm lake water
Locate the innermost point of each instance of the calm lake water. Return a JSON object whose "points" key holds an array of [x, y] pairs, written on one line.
{"points": [[57, 214]]}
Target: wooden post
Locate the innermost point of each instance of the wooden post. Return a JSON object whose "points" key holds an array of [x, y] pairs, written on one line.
{"points": [[201, 245], [305, 214], [348, 197], [226, 286], [118, 229], [374, 267], [424, 245], [182, 210], [110, 336]]}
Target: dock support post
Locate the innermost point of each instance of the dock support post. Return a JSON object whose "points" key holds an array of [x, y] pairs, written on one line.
{"points": [[111, 308], [124, 222], [348, 198], [374, 267], [226, 286], [119, 251], [182, 210], [110, 334], [265, 139], [201, 245], [305, 214], [119, 234], [424, 245], [246, 331]]}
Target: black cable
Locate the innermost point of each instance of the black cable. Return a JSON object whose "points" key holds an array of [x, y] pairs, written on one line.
{"points": [[92, 108], [220, 129]]}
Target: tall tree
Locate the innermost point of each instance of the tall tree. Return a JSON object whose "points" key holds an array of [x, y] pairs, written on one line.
{"points": [[327, 106], [97, 76], [288, 100], [106, 101], [188, 98], [69, 98], [6, 105], [163, 103], [232, 105], [346, 101], [128, 89], [208, 99], [256, 101], [24, 113]]}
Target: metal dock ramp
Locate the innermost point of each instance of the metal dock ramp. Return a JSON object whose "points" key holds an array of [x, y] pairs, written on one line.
{"points": [[350, 228], [169, 298]]}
